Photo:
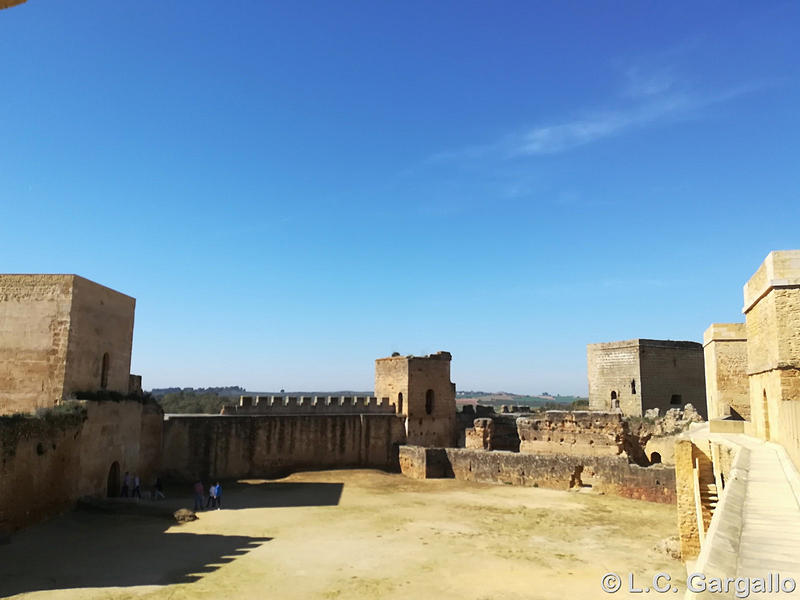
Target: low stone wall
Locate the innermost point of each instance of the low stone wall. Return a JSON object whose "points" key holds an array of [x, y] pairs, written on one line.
{"points": [[573, 432], [605, 474], [275, 445], [49, 462]]}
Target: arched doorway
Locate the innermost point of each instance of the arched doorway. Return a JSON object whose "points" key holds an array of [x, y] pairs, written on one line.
{"points": [[400, 403], [655, 458], [614, 401], [112, 490]]}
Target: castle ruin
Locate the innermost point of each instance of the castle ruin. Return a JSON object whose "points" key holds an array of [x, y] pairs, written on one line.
{"points": [[634, 376]]}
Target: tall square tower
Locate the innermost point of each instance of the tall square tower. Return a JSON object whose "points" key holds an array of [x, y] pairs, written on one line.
{"points": [[420, 389], [772, 317], [61, 334]]}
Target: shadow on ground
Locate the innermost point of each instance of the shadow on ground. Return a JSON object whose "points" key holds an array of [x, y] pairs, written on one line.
{"points": [[269, 494], [92, 549], [124, 543]]}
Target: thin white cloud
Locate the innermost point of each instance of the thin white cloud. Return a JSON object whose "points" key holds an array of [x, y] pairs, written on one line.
{"points": [[552, 139], [657, 103]]}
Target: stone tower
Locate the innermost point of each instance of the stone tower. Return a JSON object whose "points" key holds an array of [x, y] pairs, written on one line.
{"points": [[59, 335], [420, 389], [633, 376], [772, 318]]}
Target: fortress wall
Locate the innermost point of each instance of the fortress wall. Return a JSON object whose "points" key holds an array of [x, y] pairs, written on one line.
{"points": [[273, 445], [606, 474], [34, 331], [48, 463], [293, 405]]}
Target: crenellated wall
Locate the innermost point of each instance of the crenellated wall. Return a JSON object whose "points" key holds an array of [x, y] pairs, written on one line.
{"points": [[274, 445], [312, 405]]}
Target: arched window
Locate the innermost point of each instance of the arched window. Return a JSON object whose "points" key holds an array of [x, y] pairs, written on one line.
{"points": [[633, 386], [429, 402], [400, 403], [655, 458], [104, 372]]}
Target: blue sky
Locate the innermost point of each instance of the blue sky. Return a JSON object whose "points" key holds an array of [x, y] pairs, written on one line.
{"points": [[291, 190]]}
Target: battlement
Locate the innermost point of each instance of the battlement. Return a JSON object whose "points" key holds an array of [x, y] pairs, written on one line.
{"points": [[309, 405]]}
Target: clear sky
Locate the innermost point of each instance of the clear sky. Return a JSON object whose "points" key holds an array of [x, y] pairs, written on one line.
{"points": [[293, 189]]}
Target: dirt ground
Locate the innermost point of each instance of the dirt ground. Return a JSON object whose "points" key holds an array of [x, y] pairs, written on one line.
{"points": [[347, 534]]}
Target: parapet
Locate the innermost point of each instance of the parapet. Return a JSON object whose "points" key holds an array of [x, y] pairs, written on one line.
{"points": [[441, 355], [309, 405], [645, 343], [780, 269], [725, 332]]}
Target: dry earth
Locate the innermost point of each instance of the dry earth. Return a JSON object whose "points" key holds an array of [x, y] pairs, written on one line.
{"points": [[348, 534]]}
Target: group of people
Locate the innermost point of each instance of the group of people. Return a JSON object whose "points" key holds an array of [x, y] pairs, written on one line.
{"points": [[131, 487], [214, 496]]}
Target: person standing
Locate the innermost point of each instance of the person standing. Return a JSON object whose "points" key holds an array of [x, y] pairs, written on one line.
{"points": [[218, 494], [198, 495], [126, 485], [212, 496], [137, 492]]}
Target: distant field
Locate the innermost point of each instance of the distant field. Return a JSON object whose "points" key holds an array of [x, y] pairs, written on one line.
{"points": [[519, 400]]}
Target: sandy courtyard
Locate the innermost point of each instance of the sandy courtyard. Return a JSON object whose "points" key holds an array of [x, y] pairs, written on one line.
{"points": [[348, 534]]}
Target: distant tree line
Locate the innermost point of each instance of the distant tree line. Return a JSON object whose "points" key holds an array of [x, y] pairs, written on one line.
{"points": [[193, 401]]}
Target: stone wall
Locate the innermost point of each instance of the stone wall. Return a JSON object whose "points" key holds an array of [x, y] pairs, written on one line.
{"points": [[673, 375], [605, 474], [49, 462], [271, 446], [573, 432], [309, 405], [34, 331], [688, 457], [54, 332], [493, 433], [727, 389]]}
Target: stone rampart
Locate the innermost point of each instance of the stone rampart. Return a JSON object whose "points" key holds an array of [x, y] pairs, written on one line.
{"points": [[605, 474], [309, 405], [277, 444]]}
